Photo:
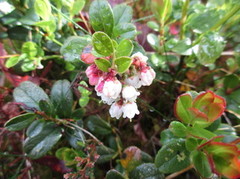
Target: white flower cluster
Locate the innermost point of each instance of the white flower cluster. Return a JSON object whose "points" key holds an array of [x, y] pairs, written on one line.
{"points": [[122, 93]]}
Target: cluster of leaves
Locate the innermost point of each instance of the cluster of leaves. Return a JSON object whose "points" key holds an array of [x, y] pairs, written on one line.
{"points": [[49, 38]]}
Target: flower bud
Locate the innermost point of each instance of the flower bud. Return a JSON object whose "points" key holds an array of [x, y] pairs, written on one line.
{"points": [[129, 110], [129, 93], [116, 110], [94, 74], [147, 76], [133, 81], [112, 88]]}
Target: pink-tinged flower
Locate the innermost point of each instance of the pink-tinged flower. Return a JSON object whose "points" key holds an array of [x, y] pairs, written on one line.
{"points": [[88, 58], [223, 158], [174, 28], [105, 99], [112, 88], [130, 109], [129, 93], [139, 56], [116, 110], [94, 74], [201, 110], [147, 76], [133, 81]]}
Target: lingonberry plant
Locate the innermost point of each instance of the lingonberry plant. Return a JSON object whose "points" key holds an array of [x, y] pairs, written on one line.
{"points": [[86, 100]]}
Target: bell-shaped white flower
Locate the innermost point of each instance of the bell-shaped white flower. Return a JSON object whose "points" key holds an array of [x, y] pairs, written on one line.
{"points": [[147, 76], [112, 88], [130, 109], [140, 56], [129, 93], [116, 110], [133, 81]]}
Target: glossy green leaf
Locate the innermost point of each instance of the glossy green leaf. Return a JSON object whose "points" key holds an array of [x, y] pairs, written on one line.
{"points": [[167, 136], [83, 90], [172, 157], [138, 48], [20, 122], [105, 153], [103, 64], [77, 7], [12, 61], [124, 48], [123, 63], [210, 48], [191, 144], [181, 106], [146, 171], [98, 126], [208, 18], [124, 31], [200, 132], [43, 9], [101, 16], [48, 26], [28, 65], [73, 47], [30, 18], [29, 94], [78, 113], [178, 129], [62, 98], [201, 164], [42, 139], [83, 101], [153, 25], [30, 48], [114, 174], [102, 43], [75, 136], [231, 81], [153, 40], [122, 14], [47, 107], [18, 33]]}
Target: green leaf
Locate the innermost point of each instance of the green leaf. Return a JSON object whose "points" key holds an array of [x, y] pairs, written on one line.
{"points": [[201, 164], [28, 65], [153, 25], [178, 129], [82, 90], [30, 17], [210, 48], [124, 48], [48, 26], [83, 101], [146, 171], [98, 126], [123, 63], [30, 48], [138, 48], [208, 18], [181, 106], [103, 64], [43, 9], [20, 122], [191, 144], [105, 153], [29, 94], [231, 81], [172, 157], [47, 107], [124, 31], [62, 98], [73, 47], [102, 43], [41, 139], [18, 33], [101, 16], [12, 61], [77, 7], [114, 174], [153, 41], [122, 14], [200, 132], [75, 136], [167, 136], [78, 113]]}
